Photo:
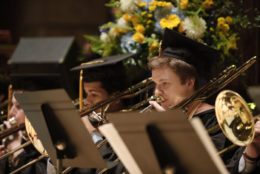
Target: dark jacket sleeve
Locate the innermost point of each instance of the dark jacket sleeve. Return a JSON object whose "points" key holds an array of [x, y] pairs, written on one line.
{"points": [[230, 158], [26, 156], [115, 167]]}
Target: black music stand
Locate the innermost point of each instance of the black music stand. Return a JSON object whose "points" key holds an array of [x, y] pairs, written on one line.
{"points": [[159, 141], [60, 129]]}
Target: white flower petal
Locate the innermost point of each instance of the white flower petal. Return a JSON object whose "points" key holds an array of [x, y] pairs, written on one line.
{"points": [[129, 5], [194, 27]]}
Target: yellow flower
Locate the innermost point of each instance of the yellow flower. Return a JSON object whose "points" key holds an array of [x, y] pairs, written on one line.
{"points": [[180, 28], [160, 3], [184, 4], [207, 4], [226, 27], [221, 20], [127, 17], [142, 4], [171, 21], [124, 30], [153, 3], [140, 28], [149, 15], [168, 4], [229, 19], [149, 21], [223, 26], [144, 13], [220, 25], [134, 20], [154, 45], [116, 31], [211, 29], [152, 8], [138, 37]]}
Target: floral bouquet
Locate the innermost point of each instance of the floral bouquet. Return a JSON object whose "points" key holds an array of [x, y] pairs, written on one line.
{"points": [[139, 25]]}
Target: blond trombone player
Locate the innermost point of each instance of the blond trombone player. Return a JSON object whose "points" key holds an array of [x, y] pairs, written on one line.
{"points": [[176, 80]]}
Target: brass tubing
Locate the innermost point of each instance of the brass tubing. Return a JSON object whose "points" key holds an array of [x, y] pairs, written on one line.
{"points": [[11, 130], [68, 169], [105, 169], [9, 100], [16, 149], [227, 149], [144, 83], [213, 128], [28, 164], [81, 90]]}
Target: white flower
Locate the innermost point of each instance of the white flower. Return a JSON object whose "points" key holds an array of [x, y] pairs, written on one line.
{"points": [[104, 37], [194, 27], [121, 21], [129, 5]]}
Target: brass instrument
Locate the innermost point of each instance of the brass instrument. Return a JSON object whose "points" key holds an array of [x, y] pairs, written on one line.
{"points": [[216, 84], [158, 99], [233, 115], [10, 88], [132, 91], [30, 132], [8, 131], [135, 90]]}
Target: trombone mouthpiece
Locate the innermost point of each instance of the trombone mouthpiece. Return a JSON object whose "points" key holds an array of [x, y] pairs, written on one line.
{"points": [[159, 99]]}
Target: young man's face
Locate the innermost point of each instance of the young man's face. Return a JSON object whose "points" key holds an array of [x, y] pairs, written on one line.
{"points": [[16, 111], [94, 93], [168, 86]]}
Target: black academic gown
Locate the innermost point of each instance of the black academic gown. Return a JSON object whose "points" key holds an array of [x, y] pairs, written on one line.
{"points": [[231, 158], [109, 156]]}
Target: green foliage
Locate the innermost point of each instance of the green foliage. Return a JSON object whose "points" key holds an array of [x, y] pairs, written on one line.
{"points": [[113, 3]]}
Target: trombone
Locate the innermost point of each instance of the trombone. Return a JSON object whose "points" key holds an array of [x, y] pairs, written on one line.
{"points": [[132, 91], [233, 115], [143, 86]]}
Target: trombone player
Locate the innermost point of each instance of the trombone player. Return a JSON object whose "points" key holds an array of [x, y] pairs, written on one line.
{"points": [[24, 155], [102, 78], [176, 79]]}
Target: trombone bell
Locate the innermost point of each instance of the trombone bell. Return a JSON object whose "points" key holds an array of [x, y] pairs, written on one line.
{"points": [[234, 117]]}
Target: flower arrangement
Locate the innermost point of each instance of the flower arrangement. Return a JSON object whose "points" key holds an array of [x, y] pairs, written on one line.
{"points": [[139, 25]]}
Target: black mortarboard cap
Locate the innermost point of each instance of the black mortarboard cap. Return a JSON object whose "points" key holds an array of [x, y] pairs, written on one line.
{"points": [[178, 46], [105, 61]]}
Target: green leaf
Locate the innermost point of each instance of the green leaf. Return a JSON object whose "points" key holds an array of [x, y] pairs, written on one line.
{"points": [[92, 38], [113, 4]]}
